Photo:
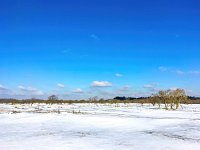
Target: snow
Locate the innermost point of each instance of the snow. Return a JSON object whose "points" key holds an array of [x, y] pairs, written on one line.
{"points": [[98, 127]]}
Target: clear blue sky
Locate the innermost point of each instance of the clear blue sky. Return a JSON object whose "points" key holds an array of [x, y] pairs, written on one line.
{"points": [[82, 48]]}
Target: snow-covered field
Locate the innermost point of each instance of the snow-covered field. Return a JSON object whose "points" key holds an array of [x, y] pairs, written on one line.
{"points": [[98, 127]]}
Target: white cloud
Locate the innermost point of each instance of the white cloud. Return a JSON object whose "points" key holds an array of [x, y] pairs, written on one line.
{"points": [[195, 72], [78, 90], [2, 88], [124, 88], [29, 91], [101, 84], [32, 89], [38, 93], [118, 75], [174, 88], [180, 72], [21, 87], [67, 51], [148, 86], [190, 92], [60, 85], [151, 88], [94, 36], [4, 91], [163, 69]]}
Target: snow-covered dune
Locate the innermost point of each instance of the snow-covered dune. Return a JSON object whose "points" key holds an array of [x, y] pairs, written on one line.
{"points": [[98, 127]]}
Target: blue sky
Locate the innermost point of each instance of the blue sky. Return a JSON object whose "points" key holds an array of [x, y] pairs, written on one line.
{"points": [[78, 49]]}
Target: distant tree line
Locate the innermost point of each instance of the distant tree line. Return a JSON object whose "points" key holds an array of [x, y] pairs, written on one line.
{"points": [[129, 98], [193, 98], [170, 98]]}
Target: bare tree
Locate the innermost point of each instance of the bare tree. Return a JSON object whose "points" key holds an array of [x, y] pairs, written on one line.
{"points": [[53, 97], [176, 97], [170, 98]]}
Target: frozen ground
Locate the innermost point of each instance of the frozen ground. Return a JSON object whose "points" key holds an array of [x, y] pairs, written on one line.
{"points": [[98, 127]]}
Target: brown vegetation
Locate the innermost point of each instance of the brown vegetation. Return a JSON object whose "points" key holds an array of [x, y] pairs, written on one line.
{"points": [[170, 98]]}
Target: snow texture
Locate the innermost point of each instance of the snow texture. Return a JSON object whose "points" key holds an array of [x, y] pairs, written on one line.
{"points": [[98, 127]]}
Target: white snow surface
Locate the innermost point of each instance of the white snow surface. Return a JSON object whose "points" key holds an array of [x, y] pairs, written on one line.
{"points": [[98, 127]]}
